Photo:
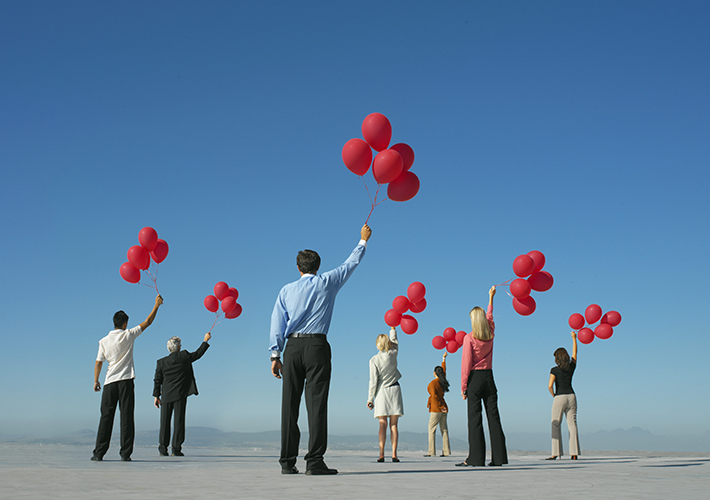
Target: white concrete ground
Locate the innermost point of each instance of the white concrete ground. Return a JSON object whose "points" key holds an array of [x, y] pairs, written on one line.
{"points": [[65, 472]]}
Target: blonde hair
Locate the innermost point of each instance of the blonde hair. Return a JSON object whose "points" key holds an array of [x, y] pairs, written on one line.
{"points": [[383, 342], [479, 324]]}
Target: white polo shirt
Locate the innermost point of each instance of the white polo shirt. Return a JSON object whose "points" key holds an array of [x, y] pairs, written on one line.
{"points": [[117, 349]]}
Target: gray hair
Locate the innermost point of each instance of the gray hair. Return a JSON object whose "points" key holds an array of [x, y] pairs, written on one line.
{"points": [[174, 344]]}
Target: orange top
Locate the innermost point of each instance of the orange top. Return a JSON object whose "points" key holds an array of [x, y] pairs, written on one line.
{"points": [[436, 403]]}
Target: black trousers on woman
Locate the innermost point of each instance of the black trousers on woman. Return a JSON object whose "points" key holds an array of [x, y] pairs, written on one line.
{"points": [[481, 387]]}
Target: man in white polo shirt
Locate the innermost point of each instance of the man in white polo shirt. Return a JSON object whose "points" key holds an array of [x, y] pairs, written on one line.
{"points": [[117, 349]]}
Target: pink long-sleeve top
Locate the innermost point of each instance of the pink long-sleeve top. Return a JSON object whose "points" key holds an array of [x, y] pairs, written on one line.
{"points": [[477, 354]]}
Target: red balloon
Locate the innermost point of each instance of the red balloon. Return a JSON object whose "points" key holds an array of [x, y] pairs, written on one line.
{"points": [[438, 342], [211, 303], [393, 318], [585, 335], [593, 313], [408, 325], [520, 288], [604, 331], [228, 303], [418, 307], [233, 292], [449, 334], [407, 154], [460, 336], [524, 307], [130, 273], [576, 321], [523, 266], [377, 131], [160, 251], [541, 281], [538, 258], [387, 166], [357, 156], [416, 291], [401, 304], [221, 290], [234, 312], [613, 318], [403, 188], [452, 346], [148, 238], [138, 257]]}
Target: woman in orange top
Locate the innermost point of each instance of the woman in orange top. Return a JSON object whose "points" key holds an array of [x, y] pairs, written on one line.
{"points": [[438, 410]]}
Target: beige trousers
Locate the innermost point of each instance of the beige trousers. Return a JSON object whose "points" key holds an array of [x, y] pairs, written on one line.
{"points": [[436, 418], [564, 404]]}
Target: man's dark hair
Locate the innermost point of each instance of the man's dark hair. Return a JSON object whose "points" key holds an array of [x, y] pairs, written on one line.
{"points": [[308, 261], [120, 319]]}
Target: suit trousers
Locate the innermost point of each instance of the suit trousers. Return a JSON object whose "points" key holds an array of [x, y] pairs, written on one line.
{"points": [[121, 393], [305, 361], [438, 419], [564, 404], [166, 412], [482, 387]]}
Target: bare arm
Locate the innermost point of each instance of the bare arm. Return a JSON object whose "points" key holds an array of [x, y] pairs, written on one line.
{"points": [[151, 317], [97, 372], [551, 385], [574, 346]]}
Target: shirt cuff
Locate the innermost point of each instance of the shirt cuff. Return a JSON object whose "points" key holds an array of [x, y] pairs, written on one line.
{"points": [[275, 354], [363, 243]]}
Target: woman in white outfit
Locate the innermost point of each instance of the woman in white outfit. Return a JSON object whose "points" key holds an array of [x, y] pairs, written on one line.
{"points": [[385, 396], [565, 401]]}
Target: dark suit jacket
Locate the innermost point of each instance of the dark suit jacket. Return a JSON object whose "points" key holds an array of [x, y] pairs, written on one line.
{"points": [[174, 374]]}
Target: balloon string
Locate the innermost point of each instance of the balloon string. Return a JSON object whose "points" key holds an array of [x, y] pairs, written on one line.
{"points": [[215, 322], [506, 283], [374, 202]]}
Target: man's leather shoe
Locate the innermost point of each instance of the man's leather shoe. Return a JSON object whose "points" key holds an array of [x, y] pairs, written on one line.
{"points": [[321, 471], [178, 453], [163, 453], [96, 458], [125, 459], [292, 470]]}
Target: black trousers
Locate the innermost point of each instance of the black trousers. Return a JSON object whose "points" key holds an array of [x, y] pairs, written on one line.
{"points": [[121, 394], [166, 413], [482, 387], [305, 361]]}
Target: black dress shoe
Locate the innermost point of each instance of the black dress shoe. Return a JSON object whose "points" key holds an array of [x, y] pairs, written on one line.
{"points": [[163, 453], [491, 464], [125, 459], [292, 470], [96, 458], [178, 453], [321, 471]]}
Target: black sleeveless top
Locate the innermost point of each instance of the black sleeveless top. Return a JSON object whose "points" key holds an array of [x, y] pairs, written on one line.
{"points": [[563, 378]]}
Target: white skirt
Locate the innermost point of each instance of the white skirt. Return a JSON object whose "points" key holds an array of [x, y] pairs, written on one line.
{"points": [[388, 401]]}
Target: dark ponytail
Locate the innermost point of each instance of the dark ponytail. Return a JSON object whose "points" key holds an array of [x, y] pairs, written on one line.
{"points": [[441, 374]]}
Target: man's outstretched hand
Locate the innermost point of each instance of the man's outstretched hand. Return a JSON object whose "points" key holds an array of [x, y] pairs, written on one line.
{"points": [[365, 232]]}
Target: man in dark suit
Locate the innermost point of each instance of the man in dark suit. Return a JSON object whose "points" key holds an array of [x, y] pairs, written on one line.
{"points": [[174, 375]]}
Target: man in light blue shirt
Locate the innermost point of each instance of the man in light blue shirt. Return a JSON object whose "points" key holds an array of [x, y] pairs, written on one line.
{"points": [[302, 315]]}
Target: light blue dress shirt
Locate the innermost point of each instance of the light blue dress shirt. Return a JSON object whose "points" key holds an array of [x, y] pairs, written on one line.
{"points": [[306, 305]]}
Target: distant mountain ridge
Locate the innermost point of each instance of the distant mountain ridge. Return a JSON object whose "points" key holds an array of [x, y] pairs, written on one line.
{"points": [[633, 439]]}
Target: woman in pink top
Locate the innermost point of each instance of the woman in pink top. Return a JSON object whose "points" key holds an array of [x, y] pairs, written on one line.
{"points": [[477, 385]]}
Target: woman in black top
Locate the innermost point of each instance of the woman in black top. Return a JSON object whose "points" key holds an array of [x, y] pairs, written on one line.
{"points": [[565, 401]]}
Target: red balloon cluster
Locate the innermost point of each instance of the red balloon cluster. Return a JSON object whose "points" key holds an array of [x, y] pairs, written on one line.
{"points": [[593, 313], [390, 166], [529, 266], [139, 256], [414, 302], [450, 339], [228, 297]]}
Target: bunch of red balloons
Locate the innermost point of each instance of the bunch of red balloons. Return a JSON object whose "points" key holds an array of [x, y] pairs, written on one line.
{"points": [[593, 313], [529, 266], [450, 339], [391, 164], [224, 301], [139, 256], [414, 302]]}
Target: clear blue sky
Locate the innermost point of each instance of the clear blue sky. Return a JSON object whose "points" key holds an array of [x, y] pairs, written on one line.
{"points": [[580, 129]]}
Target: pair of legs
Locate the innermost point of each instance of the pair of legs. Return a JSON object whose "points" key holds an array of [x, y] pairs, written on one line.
{"points": [[438, 419], [121, 394], [394, 433], [482, 387], [564, 404], [166, 412], [306, 363]]}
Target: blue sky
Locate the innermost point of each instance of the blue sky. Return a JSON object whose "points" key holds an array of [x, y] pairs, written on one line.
{"points": [[579, 129]]}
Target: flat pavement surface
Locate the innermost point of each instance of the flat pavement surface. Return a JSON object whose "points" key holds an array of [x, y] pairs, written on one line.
{"points": [[61, 471]]}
